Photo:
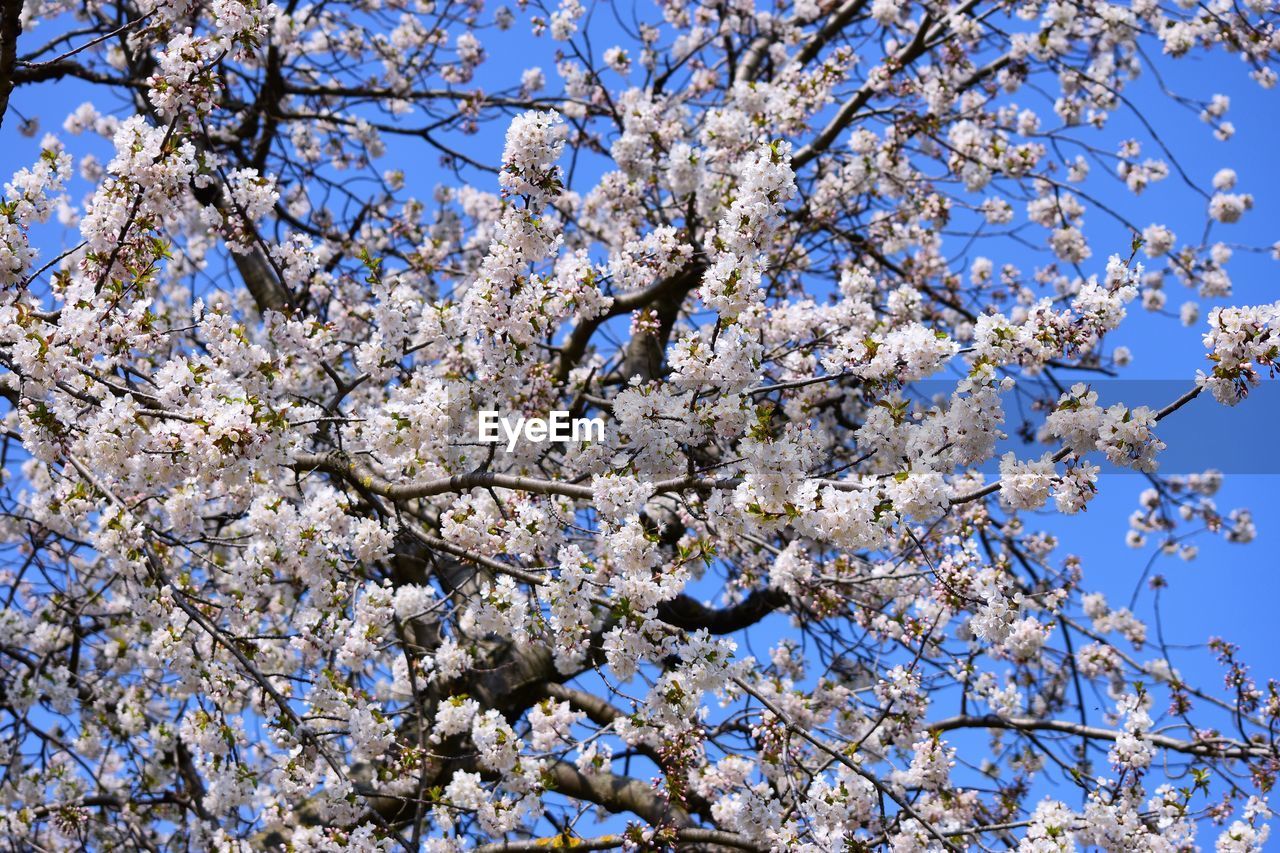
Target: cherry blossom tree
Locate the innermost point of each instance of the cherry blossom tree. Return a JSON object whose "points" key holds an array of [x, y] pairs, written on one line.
{"points": [[265, 589]]}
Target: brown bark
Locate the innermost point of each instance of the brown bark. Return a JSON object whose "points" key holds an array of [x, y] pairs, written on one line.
{"points": [[10, 29]]}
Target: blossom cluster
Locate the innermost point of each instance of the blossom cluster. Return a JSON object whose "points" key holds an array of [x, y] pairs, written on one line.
{"points": [[266, 590]]}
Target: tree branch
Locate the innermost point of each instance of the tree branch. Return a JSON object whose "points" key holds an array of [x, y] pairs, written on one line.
{"points": [[688, 613], [10, 29], [617, 794], [1218, 748]]}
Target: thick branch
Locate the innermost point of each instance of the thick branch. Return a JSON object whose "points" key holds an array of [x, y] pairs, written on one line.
{"points": [[688, 613], [10, 29], [617, 794], [335, 463], [674, 287], [839, 19], [1218, 748], [689, 835], [58, 69], [255, 268]]}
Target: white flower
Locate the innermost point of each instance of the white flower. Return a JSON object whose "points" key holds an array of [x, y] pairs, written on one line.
{"points": [[1025, 485], [412, 601], [1132, 749], [616, 497], [1157, 240], [1229, 207], [532, 80], [1070, 245], [454, 716], [535, 141], [617, 59], [931, 763]]}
